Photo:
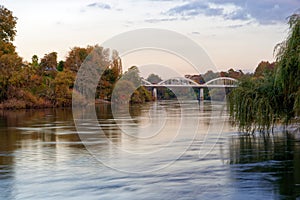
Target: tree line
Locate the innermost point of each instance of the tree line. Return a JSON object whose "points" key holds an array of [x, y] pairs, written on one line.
{"points": [[47, 82]]}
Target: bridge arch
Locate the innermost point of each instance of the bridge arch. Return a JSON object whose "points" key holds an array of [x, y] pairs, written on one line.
{"points": [[178, 81], [145, 82], [222, 81]]}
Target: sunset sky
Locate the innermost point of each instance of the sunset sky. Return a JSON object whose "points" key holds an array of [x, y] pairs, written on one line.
{"points": [[234, 33]]}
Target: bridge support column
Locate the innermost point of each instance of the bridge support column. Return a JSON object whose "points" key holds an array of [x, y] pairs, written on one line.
{"points": [[154, 93], [201, 94]]}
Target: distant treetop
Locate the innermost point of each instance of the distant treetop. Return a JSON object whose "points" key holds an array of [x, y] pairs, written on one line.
{"points": [[7, 25]]}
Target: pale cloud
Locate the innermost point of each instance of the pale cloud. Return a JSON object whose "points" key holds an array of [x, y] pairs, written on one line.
{"points": [[196, 33], [263, 11], [99, 5], [195, 8], [156, 20]]}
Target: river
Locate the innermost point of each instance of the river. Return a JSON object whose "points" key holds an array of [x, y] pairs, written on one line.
{"points": [[162, 150]]}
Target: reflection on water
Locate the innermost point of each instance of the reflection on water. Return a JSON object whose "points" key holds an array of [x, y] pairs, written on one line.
{"points": [[29, 139], [42, 156], [267, 163]]}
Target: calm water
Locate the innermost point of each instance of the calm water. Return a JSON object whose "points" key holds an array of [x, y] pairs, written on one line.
{"points": [[163, 151]]}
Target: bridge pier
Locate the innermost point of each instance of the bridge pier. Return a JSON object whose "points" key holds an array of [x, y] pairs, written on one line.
{"points": [[154, 93], [201, 94]]}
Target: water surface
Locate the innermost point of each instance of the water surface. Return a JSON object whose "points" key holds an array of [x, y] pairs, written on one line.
{"points": [[169, 150]]}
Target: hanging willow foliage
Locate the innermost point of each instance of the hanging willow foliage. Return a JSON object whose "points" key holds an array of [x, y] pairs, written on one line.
{"points": [[257, 104], [288, 58], [297, 103]]}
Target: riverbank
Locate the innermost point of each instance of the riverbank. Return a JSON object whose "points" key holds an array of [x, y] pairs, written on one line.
{"points": [[16, 104]]}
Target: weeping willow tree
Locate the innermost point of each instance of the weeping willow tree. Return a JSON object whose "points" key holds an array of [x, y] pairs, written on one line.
{"points": [[258, 103], [288, 58]]}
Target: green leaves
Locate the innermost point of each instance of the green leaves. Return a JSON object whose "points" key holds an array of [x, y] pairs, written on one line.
{"points": [[289, 69], [253, 105], [274, 97]]}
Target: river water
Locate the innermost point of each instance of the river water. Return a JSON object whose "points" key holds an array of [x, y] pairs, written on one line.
{"points": [[161, 150]]}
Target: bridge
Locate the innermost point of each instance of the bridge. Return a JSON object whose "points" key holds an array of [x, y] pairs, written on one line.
{"points": [[182, 82]]}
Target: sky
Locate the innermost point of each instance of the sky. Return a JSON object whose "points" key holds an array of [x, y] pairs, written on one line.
{"points": [[234, 33]]}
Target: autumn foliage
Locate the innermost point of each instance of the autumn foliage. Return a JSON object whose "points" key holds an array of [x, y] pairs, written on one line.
{"points": [[47, 82]]}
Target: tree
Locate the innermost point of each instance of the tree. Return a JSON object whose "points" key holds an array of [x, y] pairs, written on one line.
{"points": [[110, 76], [123, 91], [263, 68], [232, 74], [209, 75], [288, 58], [95, 61], [260, 102], [6, 48], [76, 57], [154, 79], [63, 84], [7, 25], [133, 75], [48, 64], [107, 83], [60, 66], [140, 94], [35, 61], [255, 104], [10, 62], [116, 65], [49, 61]]}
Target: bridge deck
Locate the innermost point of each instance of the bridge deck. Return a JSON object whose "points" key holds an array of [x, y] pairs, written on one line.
{"points": [[191, 86]]}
